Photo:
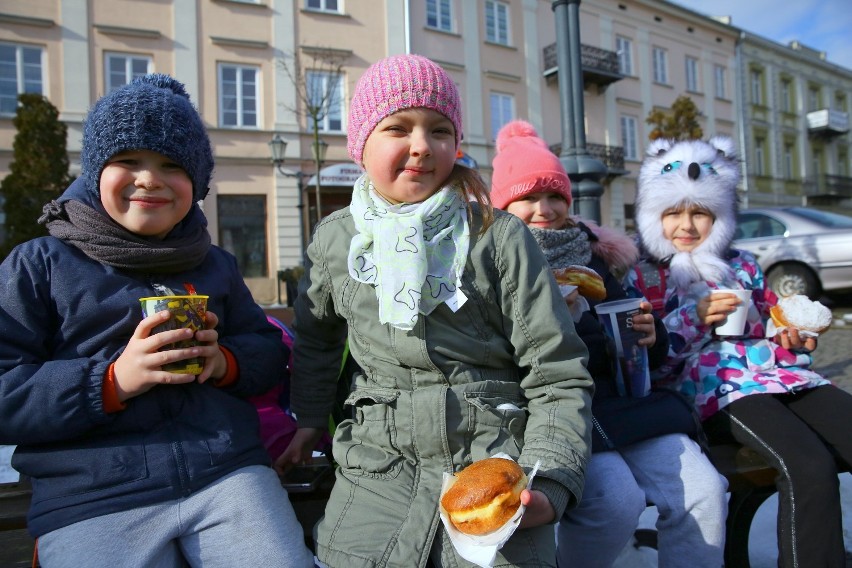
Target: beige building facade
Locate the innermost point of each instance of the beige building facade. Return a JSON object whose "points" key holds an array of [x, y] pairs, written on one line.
{"points": [[795, 118], [237, 58]]}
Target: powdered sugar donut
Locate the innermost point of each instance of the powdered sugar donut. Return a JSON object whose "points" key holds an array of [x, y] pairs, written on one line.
{"points": [[800, 312]]}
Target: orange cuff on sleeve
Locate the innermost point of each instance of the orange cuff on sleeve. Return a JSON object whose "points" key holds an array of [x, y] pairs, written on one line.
{"points": [[109, 394], [232, 371]]}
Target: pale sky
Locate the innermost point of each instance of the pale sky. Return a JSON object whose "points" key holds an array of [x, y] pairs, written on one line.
{"points": [[824, 25]]}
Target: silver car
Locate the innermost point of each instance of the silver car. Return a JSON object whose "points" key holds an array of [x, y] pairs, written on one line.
{"points": [[801, 250]]}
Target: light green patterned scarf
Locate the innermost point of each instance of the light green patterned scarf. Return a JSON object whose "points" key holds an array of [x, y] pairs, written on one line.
{"points": [[413, 253]]}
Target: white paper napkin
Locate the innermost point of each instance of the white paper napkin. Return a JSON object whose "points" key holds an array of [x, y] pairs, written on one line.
{"points": [[482, 550]]}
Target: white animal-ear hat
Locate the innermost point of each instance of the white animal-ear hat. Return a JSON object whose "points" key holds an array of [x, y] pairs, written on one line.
{"points": [[691, 172]]}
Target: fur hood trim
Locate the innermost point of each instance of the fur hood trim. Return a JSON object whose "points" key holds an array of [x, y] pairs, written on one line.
{"points": [[692, 172], [618, 250]]}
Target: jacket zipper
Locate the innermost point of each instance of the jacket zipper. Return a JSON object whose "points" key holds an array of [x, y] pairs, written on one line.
{"points": [[600, 430]]}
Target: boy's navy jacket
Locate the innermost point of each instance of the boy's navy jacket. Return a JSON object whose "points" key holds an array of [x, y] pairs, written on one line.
{"points": [[64, 318]]}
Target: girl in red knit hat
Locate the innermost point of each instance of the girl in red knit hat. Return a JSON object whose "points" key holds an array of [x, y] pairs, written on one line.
{"points": [[642, 450], [465, 343]]}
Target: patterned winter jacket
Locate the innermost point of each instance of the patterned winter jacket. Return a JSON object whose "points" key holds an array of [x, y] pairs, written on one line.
{"points": [[715, 371]]}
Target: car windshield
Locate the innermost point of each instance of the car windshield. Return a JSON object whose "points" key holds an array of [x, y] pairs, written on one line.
{"points": [[823, 217]]}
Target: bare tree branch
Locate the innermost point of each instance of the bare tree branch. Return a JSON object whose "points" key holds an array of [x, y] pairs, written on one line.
{"points": [[314, 100]]}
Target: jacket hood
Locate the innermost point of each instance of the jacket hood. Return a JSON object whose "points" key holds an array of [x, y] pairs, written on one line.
{"points": [[618, 250], [692, 172]]}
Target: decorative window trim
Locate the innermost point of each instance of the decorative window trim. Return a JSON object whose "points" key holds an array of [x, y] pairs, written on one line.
{"points": [[130, 32], [235, 42], [26, 21]]}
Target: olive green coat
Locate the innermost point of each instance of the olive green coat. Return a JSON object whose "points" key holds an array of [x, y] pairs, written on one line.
{"points": [[429, 399]]}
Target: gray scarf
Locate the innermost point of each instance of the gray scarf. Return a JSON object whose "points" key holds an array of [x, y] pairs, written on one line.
{"points": [[109, 243], [564, 247]]}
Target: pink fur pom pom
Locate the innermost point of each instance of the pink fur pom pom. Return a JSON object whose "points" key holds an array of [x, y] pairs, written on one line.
{"points": [[517, 129], [618, 250]]}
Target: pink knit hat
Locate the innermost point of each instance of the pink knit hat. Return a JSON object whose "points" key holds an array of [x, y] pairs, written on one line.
{"points": [[397, 83], [523, 165]]}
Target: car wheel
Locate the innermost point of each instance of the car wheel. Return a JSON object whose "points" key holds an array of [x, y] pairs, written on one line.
{"points": [[791, 279]]}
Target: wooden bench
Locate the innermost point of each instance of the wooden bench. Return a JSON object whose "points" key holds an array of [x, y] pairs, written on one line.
{"points": [[16, 545]]}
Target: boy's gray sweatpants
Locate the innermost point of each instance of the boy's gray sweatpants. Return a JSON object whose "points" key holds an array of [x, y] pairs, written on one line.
{"points": [[243, 519]]}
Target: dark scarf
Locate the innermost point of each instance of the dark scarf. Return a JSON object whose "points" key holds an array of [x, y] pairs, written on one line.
{"points": [[564, 247], [76, 220]]}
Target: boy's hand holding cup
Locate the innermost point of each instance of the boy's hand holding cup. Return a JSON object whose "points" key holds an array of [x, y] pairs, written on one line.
{"points": [[187, 312], [174, 343]]}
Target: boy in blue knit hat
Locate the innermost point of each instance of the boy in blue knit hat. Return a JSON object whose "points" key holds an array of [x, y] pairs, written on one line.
{"points": [[132, 465]]}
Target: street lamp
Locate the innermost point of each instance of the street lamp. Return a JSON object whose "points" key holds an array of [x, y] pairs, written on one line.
{"points": [[320, 147], [278, 147], [584, 170]]}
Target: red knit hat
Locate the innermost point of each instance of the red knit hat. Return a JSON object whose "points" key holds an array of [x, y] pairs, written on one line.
{"points": [[524, 165]]}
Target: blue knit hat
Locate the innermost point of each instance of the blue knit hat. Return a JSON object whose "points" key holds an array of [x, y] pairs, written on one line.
{"points": [[151, 113]]}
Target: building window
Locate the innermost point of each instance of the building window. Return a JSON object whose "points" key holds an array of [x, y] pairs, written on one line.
{"points": [[843, 162], [786, 95], [502, 111], [624, 49], [497, 22], [238, 95], [629, 138], [789, 154], [20, 72], [122, 68], [840, 102], [721, 83], [814, 98], [756, 87], [661, 72], [323, 5], [439, 15], [759, 155], [242, 232], [326, 95], [692, 74]]}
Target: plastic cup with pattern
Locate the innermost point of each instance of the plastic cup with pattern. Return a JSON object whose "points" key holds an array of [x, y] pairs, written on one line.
{"points": [[187, 311]]}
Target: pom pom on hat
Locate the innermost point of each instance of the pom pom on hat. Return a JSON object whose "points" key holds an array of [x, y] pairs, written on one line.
{"points": [[523, 165], [397, 83], [151, 113]]}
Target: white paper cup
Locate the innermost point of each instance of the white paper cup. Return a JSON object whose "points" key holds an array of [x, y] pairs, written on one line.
{"points": [[633, 377], [734, 324]]}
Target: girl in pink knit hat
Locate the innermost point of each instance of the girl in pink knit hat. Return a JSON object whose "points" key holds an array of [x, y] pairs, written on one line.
{"points": [[642, 449], [466, 346]]}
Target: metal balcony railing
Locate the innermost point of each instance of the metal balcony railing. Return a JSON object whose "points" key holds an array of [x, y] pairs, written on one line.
{"points": [[828, 186], [600, 66], [828, 122], [611, 156]]}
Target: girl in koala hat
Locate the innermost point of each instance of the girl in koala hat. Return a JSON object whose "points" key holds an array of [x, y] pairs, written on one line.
{"points": [[756, 387], [641, 450]]}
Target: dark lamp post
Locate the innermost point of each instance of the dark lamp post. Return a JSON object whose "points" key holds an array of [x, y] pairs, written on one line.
{"points": [[278, 147], [584, 170], [320, 147]]}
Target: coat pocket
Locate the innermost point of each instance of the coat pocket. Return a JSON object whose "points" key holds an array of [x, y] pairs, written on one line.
{"points": [[366, 444], [495, 424], [59, 472]]}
